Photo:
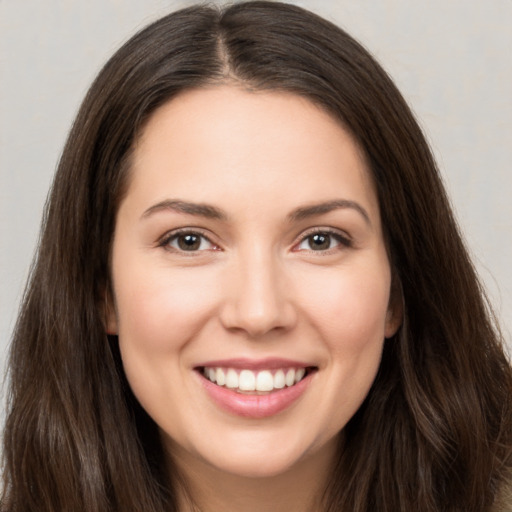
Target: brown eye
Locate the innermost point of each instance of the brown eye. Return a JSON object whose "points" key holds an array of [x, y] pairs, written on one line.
{"points": [[188, 242], [319, 241], [323, 241]]}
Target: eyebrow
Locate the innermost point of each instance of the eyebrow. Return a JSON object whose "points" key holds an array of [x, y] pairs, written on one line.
{"points": [[202, 210], [326, 207], [212, 212]]}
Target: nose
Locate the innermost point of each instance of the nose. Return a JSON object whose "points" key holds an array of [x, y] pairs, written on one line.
{"points": [[258, 297]]}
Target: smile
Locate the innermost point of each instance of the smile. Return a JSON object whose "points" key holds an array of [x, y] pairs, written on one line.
{"points": [[255, 389], [249, 381]]}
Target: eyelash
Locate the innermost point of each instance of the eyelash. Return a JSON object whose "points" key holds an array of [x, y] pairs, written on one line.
{"points": [[165, 242], [342, 239], [175, 235]]}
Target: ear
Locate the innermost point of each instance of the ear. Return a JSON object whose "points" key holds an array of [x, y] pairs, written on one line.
{"points": [[109, 312], [395, 313]]}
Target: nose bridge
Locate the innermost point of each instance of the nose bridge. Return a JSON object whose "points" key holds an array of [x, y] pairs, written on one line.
{"points": [[258, 302]]}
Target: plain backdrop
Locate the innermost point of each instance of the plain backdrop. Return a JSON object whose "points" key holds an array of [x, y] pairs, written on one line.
{"points": [[451, 59]]}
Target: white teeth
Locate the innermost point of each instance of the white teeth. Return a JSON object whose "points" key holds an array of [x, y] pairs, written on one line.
{"points": [[221, 377], [247, 380], [231, 379], [264, 381], [299, 374], [279, 381]]}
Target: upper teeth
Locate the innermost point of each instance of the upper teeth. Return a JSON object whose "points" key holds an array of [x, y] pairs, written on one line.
{"points": [[247, 380]]}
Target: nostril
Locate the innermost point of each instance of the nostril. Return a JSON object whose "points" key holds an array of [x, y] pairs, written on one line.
{"points": [[257, 322]]}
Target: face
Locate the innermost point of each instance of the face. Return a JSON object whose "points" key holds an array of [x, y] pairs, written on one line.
{"points": [[250, 278]]}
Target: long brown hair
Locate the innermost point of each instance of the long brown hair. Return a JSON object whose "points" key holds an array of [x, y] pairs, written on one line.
{"points": [[434, 433]]}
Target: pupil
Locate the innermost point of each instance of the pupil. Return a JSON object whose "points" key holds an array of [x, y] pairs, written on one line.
{"points": [[189, 242], [320, 241]]}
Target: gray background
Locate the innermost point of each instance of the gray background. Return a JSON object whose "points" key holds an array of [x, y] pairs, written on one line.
{"points": [[450, 58]]}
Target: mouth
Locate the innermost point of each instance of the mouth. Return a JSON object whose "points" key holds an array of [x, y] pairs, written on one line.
{"points": [[255, 382], [255, 389]]}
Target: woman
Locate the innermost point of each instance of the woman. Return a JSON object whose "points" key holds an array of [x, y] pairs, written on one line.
{"points": [[250, 292]]}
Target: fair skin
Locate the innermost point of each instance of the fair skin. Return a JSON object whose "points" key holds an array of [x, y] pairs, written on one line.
{"points": [[279, 268]]}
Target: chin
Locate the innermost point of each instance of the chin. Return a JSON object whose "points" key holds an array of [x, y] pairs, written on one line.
{"points": [[257, 454], [262, 466]]}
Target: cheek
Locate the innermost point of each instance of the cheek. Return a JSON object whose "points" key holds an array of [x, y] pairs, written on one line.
{"points": [[348, 307], [351, 317], [162, 310], [159, 313]]}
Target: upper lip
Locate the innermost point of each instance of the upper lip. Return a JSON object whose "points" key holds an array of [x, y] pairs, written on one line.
{"points": [[270, 363]]}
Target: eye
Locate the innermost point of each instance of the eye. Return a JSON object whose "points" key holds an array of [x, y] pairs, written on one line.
{"points": [[188, 241], [322, 241]]}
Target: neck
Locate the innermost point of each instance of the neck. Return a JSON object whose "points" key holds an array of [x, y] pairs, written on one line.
{"points": [[204, 488]]}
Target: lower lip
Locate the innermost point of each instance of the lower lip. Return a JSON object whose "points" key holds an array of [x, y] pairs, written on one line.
{"points": [[255, 406]]}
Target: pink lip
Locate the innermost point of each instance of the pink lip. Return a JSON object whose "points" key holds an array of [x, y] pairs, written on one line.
{"points": [[255, 406], [254, 364]]}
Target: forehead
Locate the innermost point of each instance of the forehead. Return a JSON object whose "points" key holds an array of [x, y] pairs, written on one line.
{"points": [[222, 142]]}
